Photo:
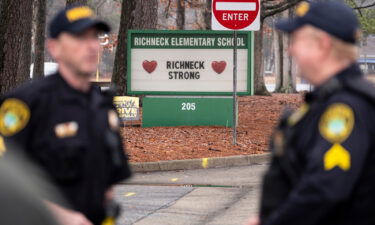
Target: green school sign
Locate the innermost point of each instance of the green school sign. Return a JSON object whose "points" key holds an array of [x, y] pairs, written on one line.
{"points": [[189, 111], [188, 63]]}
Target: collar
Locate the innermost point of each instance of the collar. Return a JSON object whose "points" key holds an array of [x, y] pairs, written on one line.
{"points": [[335, 83], [70, 94], [70, 88], [93, 97]]}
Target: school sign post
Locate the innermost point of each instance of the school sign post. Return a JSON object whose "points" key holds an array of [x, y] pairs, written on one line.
{"points": [[187, 76], [235, 15]]}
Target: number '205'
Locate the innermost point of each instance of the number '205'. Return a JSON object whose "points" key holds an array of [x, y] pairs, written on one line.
{"points": [[188, 106]]}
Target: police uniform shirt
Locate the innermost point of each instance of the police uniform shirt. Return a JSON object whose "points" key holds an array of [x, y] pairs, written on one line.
{"points": [[73, 135], [334, 145]]}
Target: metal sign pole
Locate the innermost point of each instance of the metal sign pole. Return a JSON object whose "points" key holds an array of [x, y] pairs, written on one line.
{"points": [[234, 87]]}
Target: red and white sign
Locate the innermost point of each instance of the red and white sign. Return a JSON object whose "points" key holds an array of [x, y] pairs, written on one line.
{"points": [[236, 15]]}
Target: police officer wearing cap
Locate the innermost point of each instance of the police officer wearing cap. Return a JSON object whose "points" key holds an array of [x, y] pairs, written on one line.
{"points": [[67, 126], [323, 155]]}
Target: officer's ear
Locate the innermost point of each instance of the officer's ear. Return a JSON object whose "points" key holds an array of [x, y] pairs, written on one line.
{"points": [[53, 48], [325, 44]]}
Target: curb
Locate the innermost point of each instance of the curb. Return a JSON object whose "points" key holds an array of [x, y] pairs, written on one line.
{"points": [[204, 163]]}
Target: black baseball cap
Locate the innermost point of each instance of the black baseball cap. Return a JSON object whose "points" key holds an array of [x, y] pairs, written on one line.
{"points": [[333, 17], [75, 20]]}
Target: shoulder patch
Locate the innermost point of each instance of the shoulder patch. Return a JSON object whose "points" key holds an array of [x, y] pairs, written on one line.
{"points": [[338, 156], [336, 123], [298, 115], [14, 116], [2, 146]]}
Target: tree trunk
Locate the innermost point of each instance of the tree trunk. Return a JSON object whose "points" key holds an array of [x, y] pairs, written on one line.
{"points": [[26, 23], [145, 14], [119, 76], [1, 7], [180, 20], [278, 43], [15, 47], [287, 68], [292, 67], [78, 2], [38, 70], [286, 71], [146, 18], [259, 86], [207, 14]]}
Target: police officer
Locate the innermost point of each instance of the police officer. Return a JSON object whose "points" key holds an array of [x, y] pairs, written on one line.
{"points": [[67, 126], [323, 165]]}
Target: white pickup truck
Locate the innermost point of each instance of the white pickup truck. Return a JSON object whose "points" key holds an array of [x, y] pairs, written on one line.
{"points": [[49, 68]]}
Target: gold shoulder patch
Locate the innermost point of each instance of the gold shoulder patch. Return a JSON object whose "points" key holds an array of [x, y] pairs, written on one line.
{"points": [[14, 116], [2, 146], [302, 9], [298, 115], [108, 221], [336, 123], [338, 156]]}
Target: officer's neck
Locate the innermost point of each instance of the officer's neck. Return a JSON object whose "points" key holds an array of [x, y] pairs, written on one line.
{"points": [[80, 82], [329, 69]]}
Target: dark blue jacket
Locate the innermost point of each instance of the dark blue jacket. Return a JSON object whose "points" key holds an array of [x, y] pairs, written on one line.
{"points": [[331, 155], [72, 135]]}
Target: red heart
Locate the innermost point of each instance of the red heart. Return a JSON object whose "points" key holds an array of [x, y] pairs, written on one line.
{"points": [[149, 66], [219, 67]]}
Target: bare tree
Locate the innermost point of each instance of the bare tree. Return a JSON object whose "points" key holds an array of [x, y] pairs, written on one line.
{"points": [[269, 8], [40, 30], [146, 18], [285, 81], [15, 52]]}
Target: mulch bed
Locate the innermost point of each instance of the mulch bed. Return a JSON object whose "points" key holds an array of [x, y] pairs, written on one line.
{"points": [[257, 117]]}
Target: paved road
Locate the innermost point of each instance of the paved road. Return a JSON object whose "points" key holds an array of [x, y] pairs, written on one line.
{"points": [[222, 196]]}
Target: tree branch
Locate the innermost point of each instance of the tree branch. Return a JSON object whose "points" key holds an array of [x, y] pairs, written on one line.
{"points": [[364, 7], [101, 3], [194, 4], [355, 4], [273, 6], [267, 1], [281, 7], [167, 8]]}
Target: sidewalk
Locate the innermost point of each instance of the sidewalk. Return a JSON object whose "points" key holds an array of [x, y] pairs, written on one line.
{"points": [[204, 163]]}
